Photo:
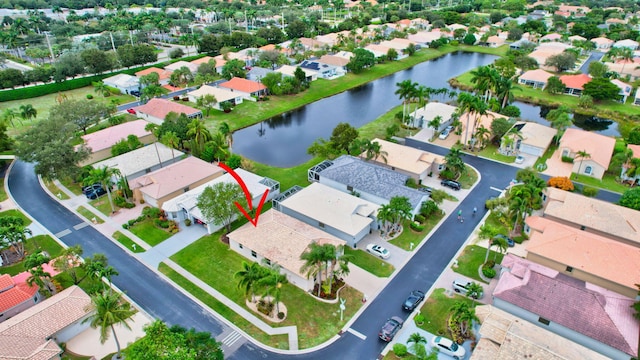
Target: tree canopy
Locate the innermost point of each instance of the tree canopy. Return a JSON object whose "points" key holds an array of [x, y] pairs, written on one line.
{"points": [[217, 203]]}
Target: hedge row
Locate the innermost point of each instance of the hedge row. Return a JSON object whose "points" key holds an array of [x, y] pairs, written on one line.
{"points": [[52, 88]]}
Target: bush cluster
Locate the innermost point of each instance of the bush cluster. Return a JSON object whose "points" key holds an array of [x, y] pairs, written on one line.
{"points": [[416, 226], [561, 182]]}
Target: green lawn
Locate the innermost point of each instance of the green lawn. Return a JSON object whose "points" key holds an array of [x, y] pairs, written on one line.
{"points": [[276, 341], [55, 190], [370, 263], [89, 215], [436, 311], [316, 321], [468, 178], [471, 258], [34, 244], [410, 236], [73, 186], [491, 152], [546, 156], [608, 182], [149, 232], [3, 193], [128, 243], [16, 213], [103, 205]]}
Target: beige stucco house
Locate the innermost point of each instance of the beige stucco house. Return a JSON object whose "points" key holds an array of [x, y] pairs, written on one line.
{"points": [[100, 142], [535, 139], [598, 147], [416, 163]]}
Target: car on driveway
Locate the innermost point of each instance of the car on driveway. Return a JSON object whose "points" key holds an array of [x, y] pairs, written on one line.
{"points": [[390, 328], [413, 300], [448, 347], [131, 111], [509, 240], [444, 134], [461, 286], [519, 159], [451, 184], [91, 188], [378, 251], [95, 193]]}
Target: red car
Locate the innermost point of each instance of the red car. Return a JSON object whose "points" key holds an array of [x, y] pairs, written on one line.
{"points": [[131, 111]]}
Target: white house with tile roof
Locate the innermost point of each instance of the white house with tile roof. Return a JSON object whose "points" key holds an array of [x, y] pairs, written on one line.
{"points": [[280, 239], [100, 142]]}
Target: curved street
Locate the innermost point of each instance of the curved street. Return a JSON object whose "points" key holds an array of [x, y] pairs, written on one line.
{"points": [[360, 341]]}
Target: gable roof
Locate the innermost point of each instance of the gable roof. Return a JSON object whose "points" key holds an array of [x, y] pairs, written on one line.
{"points": [[159, 108], [140, 159], [625, 89], [507, 337], [244, 85], [371, 178], [615, 220], [589, 252], [412, 160], [290, 70], [282, 239], [26, 335], [162, 74], [174, 177], [600, 147], [535, 134], [220, 94], [106, 138], [203, 60], [537, 75], [602, 41], [333, 60], [345, 212], [433, 109], [590, 310], [575, 81]]}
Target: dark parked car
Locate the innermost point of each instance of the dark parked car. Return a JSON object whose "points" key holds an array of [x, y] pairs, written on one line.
{"points": [[509, 240], [135, 93], [91, 188], [451, 183], [413, 300], [95, 193], [390, 328], [425, 189]]}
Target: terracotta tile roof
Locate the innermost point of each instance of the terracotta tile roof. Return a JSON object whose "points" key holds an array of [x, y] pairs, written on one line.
{"points": [[105, 138], [159, 108], [244, 85], [15, 293], [162, 74], [587, 309], [537, 135], [333, 60], [24, 336], [575, 81], [171, 88], [23, 276], [615, 220], [635, 149], [589, 252], [202, 60], [176, 176], [600, 147], [504, 336], [282, 239], [602, 41]]}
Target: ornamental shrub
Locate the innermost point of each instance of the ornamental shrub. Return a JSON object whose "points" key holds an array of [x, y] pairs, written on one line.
{"points": [[400, 349], [561, 182]]}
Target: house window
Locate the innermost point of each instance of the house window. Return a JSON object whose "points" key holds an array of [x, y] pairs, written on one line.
{"points": [[267, 261], [583, 227], [543, 321], [393, 168], [253, 253], [565, 152], [588, 170], [569, 269], [349, 188], [147, 170], [321, 225], [240, 246]]}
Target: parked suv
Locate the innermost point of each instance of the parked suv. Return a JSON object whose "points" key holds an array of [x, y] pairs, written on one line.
{"points": [[451, 183], [461, 286], [390, 328]]}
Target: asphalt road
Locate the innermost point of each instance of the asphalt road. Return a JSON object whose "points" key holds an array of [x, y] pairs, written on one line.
{"points": [[162, 301]]}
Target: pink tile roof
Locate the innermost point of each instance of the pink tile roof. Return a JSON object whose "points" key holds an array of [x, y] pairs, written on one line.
{"points": [[176, 176], [24, 336], [243, 85], [202, 60], [162, 74], [575, 81], [23, 276], [602, 41], [537, 75], [635, 149], [159, 108], [589, 252], [105, 139], [600, 147], [15, 293], [590, 310]]}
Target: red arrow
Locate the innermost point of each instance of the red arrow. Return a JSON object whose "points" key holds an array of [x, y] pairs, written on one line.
{"points": [[247, 194]]}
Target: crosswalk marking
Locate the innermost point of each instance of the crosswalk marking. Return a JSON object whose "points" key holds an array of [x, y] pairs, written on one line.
{"points": [[63, 233], [81, 225], [231, 338], [358, 334]]}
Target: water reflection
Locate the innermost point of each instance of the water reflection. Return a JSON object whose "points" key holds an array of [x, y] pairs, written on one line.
{"points": [[589, 123]]}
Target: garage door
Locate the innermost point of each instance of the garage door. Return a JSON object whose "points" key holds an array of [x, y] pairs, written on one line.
{"points": [[531, 150]]}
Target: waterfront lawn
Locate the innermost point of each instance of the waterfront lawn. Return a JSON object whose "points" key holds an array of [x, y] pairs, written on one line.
{"points": [[370, 263], [471, 258], [316, 321], [149, 232], [436, 310]]}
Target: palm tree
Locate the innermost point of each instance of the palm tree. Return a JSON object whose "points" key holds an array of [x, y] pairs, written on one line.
{"points": [[416, 340], [435, 125], [487, 232], [474, 290], [218, 147], [225, 130], [373, 150], [273, 282], [501, 244], [171, 140], [109, 310], [560, 120], [582, 154], [621, 53], [504, 91], [454, 162], [484, 78], [199, 135], [406, 90], [510, 139], [385, 217], [482, 135], [462, 314], [27, 111], [9, 114], [104, 176], [466, 105], [41, 278], [314, 260], [100, 88], [248, 278]]}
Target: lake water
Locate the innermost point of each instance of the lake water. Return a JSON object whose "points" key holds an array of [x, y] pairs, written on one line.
{"points": [[283, 140]]}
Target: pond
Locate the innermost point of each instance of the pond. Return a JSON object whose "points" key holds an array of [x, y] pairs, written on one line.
{"points": [[283, 140], [589, 123]]}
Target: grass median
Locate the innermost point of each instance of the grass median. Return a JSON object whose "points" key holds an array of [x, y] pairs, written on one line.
{"points": [[471, 258], [370, 263], [436, 310]]}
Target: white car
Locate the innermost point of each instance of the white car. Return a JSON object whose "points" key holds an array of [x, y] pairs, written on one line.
{"points": [[519, 159], [378, 251], [444, 134], [448, 347]]}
